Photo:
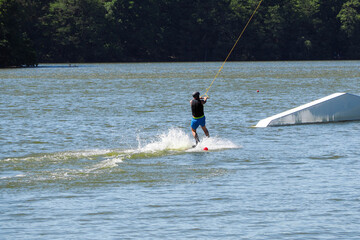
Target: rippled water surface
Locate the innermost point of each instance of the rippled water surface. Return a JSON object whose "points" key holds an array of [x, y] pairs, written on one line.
{"points": [[103, 151]]}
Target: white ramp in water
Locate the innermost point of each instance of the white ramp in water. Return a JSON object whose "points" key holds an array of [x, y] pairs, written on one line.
{"points": [[333, 108]]}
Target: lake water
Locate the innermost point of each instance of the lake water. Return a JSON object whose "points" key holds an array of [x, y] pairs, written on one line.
{"points": [[103, 151]]}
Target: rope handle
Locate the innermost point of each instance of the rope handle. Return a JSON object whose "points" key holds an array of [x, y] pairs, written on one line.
{"points": [[205, 95]]}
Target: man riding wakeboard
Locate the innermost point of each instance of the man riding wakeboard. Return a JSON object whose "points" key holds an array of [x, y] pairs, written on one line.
{"points": [[198, 116]]}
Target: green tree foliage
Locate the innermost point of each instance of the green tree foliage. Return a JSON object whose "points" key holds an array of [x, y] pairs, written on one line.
{"points": [[78, 30], [135, 28], [193, 29], [176, 30], [16, 48], [349, 17]]}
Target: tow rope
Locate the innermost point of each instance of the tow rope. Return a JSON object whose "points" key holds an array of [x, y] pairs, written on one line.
{"points": [[232, 49]]}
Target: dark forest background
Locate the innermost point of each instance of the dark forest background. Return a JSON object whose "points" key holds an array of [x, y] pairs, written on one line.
{"points": [[33, 31]]}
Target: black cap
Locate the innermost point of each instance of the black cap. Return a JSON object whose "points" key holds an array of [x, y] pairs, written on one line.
{"points": [[196, 94]]}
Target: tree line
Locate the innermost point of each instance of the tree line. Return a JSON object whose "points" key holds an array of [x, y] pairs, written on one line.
{"points": [[33, 31]]}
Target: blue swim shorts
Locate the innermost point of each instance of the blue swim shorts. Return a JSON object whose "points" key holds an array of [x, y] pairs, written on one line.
{"points": [[196, 122]]}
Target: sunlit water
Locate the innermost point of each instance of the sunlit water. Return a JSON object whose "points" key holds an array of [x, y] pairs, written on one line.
{"points": [[104, 151]]}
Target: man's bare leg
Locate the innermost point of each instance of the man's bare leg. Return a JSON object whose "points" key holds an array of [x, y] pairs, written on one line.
{"points": [[205, 131], [195, 135]]}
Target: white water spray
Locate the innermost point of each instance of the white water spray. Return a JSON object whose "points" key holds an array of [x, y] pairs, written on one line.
{"points": [[177, 140]]}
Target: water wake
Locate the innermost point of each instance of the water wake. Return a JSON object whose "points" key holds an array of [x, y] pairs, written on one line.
{"points": [[75, 164], [176, 140]]}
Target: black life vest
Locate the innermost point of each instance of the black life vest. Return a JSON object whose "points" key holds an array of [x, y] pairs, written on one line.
{"points": [[197, 108]]}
